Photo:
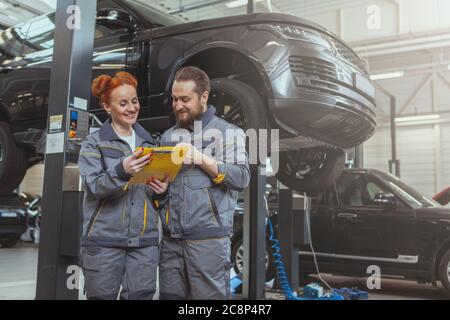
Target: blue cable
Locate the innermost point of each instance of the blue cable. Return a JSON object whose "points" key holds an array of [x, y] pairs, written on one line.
{"points": [[282, 275]]}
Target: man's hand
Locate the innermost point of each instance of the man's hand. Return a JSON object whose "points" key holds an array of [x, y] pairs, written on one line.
{"points": [[193, 156], [158, 186], [133, 165]]}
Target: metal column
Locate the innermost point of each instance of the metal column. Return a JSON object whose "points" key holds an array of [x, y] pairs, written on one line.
{"points": [[250, 6], [359, 156], [255, 235], [286, 235], [394, 161], [69, 88]]}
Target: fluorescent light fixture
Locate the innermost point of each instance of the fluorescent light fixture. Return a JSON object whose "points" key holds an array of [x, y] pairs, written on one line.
{"points": [[390, 75], [112, 65], [12, 17], [418, 118], [238, 3]]}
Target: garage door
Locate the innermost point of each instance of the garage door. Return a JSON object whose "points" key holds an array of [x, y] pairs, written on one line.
{"points": [[415, 150]]}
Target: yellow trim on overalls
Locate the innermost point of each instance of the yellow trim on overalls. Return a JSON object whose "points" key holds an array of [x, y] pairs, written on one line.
{"points": [[90, 154], [167, 215], [219, 179], [156, 203], [145, 217]]}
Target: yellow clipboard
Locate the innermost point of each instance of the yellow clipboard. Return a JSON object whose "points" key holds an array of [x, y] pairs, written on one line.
{"points": [[166, 160]]}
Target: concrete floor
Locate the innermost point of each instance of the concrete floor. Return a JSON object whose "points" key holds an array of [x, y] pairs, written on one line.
{"points": [[18, 268]]}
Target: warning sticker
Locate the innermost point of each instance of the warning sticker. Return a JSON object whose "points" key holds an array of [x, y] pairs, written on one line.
{"points": [[55, 143], [55, 123]]}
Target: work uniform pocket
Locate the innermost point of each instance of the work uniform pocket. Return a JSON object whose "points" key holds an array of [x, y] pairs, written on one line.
{"points": [[111, 156], [200, 208], [91, 258]]}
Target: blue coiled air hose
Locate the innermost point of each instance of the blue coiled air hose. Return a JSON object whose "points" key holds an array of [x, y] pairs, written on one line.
{"points": [[282, 275]]}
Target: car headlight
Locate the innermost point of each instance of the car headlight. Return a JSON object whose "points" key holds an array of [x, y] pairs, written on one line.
{"points": [[299, 33]]}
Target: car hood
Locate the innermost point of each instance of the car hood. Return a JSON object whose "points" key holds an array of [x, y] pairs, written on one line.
{"points": [[439, 213], [257, 18]]}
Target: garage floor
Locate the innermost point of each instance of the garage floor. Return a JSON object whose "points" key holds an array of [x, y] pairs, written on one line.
{"points": [[19, 265]]}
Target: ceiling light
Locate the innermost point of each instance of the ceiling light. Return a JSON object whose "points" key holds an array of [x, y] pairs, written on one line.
{"points": [[238, 3], [390, 75], [418, 118]]}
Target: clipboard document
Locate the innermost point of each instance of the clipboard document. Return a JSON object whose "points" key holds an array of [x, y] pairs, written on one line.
{"points": [[166, 160]]}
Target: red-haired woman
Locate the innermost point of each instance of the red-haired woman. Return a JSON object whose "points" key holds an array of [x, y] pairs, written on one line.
{"points": [[119, 246]]}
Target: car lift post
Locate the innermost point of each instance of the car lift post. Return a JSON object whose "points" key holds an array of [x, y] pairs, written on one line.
{"points": [[293, 231], [255, 235], [71, 72], [359, 156]]}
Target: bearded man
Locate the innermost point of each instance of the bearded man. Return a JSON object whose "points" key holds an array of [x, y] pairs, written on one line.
{"points": [[197, 209]]}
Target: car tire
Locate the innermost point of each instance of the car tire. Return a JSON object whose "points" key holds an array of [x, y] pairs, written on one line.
{"points": [[13, 161], [237, 250], [444, 271], [9, 243], [238, 103], [310, 170]]}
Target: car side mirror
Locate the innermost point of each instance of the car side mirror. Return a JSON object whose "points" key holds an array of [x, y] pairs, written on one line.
{"points": [[386, 200], [116, 19]]}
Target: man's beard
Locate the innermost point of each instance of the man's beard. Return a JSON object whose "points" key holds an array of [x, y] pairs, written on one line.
{"points": [[188, 123]]}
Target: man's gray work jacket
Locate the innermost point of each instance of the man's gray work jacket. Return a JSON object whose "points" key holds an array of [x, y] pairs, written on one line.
{"points": [[198, 206], [115, 214]]}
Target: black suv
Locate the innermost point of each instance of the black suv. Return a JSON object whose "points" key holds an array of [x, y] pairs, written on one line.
{"points": [[367, 218], [268, 71]]}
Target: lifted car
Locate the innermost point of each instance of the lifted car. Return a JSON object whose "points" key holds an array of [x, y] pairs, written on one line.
{"points": [[268, 71]]}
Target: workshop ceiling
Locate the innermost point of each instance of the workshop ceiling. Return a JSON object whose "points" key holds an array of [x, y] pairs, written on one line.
{"points": [[15, 11]]}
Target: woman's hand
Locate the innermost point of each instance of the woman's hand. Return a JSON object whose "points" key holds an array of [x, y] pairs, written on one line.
{"points": [[158, 186], [133, 165]]}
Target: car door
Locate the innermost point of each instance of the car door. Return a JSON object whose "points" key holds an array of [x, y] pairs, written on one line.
{"points": [[322, 221], [365, 230], [323, 244]]}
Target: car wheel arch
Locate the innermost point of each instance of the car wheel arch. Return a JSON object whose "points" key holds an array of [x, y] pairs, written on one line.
{"points": [[225, 51], [443, 248]]}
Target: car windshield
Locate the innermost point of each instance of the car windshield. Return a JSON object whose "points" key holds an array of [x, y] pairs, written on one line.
{"points": [[155, 16], [413, 197]]}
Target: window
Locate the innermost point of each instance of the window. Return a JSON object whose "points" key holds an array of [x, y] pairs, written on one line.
{"points": [[414, 198], [40, 31], [156, 17], [360, 190]]}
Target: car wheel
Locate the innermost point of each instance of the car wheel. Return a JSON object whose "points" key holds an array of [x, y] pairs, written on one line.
{"points": [[310, 170], [9, 243], [237, 257], [238, 103], [444, 271], [13, 161]]}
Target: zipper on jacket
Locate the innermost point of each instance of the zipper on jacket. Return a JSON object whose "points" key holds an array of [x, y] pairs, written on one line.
{"points": [[130, 211], [91, 226], [123, 214]]}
